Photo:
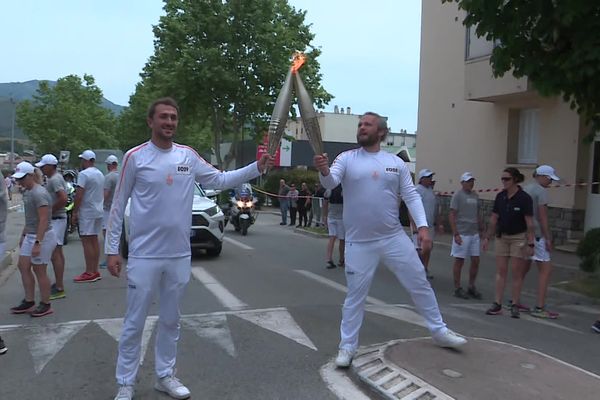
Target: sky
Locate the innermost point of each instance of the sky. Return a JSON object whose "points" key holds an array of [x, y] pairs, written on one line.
{"points": [[369, 61]]}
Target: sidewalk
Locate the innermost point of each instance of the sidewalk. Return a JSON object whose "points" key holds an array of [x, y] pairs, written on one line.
{"points": [[482, 369]]}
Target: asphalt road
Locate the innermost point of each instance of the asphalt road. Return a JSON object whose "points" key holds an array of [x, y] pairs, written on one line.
{"points": [[259, 322]]}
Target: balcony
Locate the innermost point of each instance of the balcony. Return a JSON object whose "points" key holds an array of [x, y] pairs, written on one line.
{"points": [[480, 84]]}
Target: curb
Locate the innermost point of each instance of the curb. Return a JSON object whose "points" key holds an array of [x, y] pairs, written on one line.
{"points": [[387, 379]]}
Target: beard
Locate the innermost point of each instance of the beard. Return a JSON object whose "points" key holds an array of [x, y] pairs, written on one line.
{"points": [[368, 140]]}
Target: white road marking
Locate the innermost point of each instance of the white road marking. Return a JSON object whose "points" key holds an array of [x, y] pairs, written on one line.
{"points": [[338, 382], [213, 328], [238, 244], [335, 285], [583, 309], [397, 312], [280, 322], [114, 327], [46, 341], [226, 298]]}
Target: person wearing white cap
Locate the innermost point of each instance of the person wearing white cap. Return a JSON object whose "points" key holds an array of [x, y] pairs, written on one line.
{"points": [[431, 206], [110, 183], [37, 243], [56, 186], [159, 177], [467, 227], [374, 234], [537, 190], [88, 213]]}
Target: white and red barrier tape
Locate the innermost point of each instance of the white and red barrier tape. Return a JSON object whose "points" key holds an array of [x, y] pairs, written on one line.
{"points": [[451, 193]]}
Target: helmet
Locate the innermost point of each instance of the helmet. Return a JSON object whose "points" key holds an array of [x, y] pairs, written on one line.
{"points": [[70, 173]]}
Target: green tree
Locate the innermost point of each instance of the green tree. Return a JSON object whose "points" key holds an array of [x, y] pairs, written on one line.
{"points": [[554, 43], [67, 116], [225, 62]]}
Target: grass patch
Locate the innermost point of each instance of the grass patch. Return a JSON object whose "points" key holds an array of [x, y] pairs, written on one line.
{"points": [[588, 285]]}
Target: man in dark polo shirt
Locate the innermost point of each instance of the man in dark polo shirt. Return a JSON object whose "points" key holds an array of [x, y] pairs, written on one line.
{"points": [[513, 215]]}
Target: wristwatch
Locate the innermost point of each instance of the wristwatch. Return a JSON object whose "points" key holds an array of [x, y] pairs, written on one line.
{"points": [[37, 242]]}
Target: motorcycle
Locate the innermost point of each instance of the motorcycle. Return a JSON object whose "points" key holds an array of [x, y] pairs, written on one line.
{"points": [[242, 213]]}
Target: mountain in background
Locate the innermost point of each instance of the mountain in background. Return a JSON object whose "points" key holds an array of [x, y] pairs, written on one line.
{"points": [[20, 91]]}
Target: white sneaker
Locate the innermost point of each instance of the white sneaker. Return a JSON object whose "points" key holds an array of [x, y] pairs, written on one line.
{"points": [[171, 386], [344, 358], [447, 338], [125, 393]]}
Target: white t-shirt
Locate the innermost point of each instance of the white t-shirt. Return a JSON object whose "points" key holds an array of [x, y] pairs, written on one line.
{"points": [[373, 185], [161, 186], [92, 180]]}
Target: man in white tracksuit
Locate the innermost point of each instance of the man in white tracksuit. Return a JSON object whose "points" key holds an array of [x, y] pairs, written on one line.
{"points": [[159, 177], [373, 181]]}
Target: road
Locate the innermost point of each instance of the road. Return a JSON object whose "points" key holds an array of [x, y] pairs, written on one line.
{"points": [[261, 321]]}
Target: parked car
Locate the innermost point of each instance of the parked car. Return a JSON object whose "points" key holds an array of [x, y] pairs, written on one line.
{"points": [[208, 224]]}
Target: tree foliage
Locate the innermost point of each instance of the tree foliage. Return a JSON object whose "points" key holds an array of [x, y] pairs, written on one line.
{"points": [[224, 62], [68, 116], [554, 43]]}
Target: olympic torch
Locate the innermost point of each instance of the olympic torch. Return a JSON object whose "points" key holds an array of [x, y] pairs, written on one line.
{"points": [[280, 114], [307, 112]]}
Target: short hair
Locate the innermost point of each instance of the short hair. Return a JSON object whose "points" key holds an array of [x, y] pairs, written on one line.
{"points": [[381, 123], [168, 101]]}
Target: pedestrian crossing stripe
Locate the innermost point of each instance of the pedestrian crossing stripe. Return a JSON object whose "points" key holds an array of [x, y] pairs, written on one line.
{"points": [[45, 341]]}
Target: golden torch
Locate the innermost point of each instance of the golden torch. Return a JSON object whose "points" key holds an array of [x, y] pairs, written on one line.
{"points": [[280, 114]]}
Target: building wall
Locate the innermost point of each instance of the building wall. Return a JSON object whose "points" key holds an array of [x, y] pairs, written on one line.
{"points": [[456, 135]]}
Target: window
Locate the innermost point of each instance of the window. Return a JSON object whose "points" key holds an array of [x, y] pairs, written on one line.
{"points": [[529, 127], [477, 46]]}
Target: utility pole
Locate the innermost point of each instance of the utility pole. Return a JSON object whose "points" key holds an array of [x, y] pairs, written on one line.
{"points": [[12, 135]]}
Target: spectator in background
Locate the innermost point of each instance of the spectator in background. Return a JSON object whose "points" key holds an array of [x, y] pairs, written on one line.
{"points": [[317, 205], [431, 205], [284, 203], [88, 213], [467, 227], [9, 185], [57, 188], [513, 216], [333, 213], [293, 202], [110, 183], [303, 204], [543, 177]]}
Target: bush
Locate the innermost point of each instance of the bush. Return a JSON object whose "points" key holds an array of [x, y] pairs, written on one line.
{"points": [[296, 176], [589, 251]]}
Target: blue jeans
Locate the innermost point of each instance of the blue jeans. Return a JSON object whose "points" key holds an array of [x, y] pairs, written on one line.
{"points": [[283, 207]]}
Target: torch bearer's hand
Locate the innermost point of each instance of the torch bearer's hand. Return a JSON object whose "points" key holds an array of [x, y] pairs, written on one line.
{"points": [[265, 162], [322, 163]]}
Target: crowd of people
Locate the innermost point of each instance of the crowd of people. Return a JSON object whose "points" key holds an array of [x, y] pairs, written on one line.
{"points": [[160, 174]]}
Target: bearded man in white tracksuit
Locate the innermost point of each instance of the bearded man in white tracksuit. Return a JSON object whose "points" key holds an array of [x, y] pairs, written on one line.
{"points": [[373, 181], [159, 176]]}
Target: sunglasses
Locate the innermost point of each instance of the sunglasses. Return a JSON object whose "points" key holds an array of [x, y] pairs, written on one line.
{"points": [[506, 179]]}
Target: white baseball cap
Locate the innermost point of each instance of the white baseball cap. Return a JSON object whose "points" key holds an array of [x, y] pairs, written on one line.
{"points": [[47, 159], [88, 155], [112, 159], [425, 173], [546, 170], [467, 176], [23, 168]]}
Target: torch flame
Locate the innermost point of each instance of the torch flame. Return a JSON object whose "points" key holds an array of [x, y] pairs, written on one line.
{"points": [[298, 61]]}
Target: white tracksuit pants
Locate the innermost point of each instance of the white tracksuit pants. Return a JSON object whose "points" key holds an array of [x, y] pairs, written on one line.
{"points": [[399, 255], [145, 278]]}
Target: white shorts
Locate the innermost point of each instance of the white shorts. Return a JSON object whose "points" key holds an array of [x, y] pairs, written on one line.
{"points": [[48, 246], [540, 253], [415, 238], [335, 227], [105, 219], [470, 246], [90, 226], [59, 226]]}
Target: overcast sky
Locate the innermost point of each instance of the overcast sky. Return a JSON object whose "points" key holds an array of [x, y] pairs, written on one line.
{"points": [[370, 57]]}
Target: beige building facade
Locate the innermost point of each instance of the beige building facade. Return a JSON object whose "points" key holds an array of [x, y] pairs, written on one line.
{"points": [[470, 121]]}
